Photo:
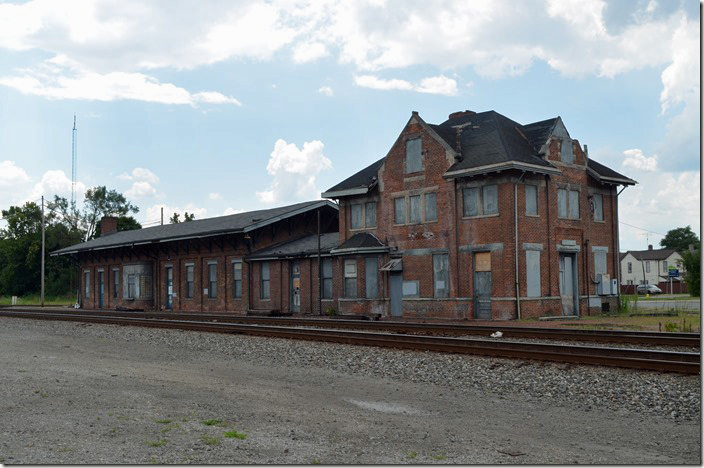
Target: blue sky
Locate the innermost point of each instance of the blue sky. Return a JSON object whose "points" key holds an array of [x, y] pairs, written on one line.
{"points": [[217, 107]]}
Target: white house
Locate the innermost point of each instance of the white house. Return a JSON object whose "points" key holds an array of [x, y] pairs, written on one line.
{"points": [[649, 267]]}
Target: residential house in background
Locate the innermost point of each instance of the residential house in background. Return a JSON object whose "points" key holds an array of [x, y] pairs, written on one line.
{"points": [[651, 267]]}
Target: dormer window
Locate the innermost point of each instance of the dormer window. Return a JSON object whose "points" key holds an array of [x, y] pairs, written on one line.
{"points": [[566, 152], [414, 158]]}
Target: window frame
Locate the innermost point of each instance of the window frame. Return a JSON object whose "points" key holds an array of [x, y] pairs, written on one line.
{"points": [[190, 284], [414, 149], [570, 199], [598, 207], [434, 196], [440, 274], [264, 281], [533, 197], [212, 279], [86, 284], [350, 278], [367, 215], [479, 195], [533, 283], [237, 282], [371, 277], [327, 278], [115, 283]]}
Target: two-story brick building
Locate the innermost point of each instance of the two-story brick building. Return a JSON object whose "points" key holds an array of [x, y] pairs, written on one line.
{"points": [[479, 217]]}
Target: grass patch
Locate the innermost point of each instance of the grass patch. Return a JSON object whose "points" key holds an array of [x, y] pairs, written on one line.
{"points": [[170, 427], [210, 440], [213, 422], [235, 435], [35, 299], [315, 461], [156, 443], [412, 455], [439, 457]]}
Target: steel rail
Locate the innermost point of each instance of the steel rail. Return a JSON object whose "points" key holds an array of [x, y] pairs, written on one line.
{"points": [[669, 361], [692, 340]]}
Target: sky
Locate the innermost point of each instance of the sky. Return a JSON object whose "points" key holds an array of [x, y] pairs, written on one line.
{"points": [[218, 107]]}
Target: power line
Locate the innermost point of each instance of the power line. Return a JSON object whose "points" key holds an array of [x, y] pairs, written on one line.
{"points": [[643, 229]]}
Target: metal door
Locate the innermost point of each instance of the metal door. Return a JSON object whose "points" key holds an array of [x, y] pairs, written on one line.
{"points": [[482, 285], [295, 287], [169, 275], [396, 293], [568, 284], [101, 290]]}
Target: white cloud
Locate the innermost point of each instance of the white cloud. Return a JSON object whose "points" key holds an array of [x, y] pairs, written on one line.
{"points": [[294, 171], [56, 182], [635, 159], [140, 189], [214, 196], [231, 211], [111, 86], [140, 174], [143, 181], [326, 90], [432, 85], [309, 51], [11, 174]]}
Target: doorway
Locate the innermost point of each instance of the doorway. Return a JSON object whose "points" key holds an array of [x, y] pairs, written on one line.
{"points": [[568, 284], [295, 287], [396, 293], [482, 285], [169, 275]]}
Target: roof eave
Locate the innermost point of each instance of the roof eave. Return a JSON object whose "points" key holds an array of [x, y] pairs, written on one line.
{"points": [[359, 250], [610, 180], [347, 192], [501, 167]]}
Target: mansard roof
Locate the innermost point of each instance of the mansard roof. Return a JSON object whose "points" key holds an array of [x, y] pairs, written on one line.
{"points": [[221, 225]]}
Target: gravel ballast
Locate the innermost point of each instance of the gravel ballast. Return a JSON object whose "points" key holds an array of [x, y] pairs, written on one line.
{"points": [[77, 393]]}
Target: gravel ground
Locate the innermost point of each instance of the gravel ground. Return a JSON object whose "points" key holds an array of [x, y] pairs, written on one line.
{"points": [[102, 394]]}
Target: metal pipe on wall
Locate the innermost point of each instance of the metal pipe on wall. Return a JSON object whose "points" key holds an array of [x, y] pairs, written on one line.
{"points": [[515, 231]]}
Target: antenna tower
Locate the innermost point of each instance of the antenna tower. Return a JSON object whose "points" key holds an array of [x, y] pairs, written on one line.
{"points": [[74, 160]]}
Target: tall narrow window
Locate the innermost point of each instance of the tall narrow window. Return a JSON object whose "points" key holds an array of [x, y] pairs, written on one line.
{"points": [[190, 288], [630, 267], [568, 204], [664, 266], [598, 207], [237, 279], [115, 283], [356, 216], [212, 280], [574, 204], [371, 275], [414, 202], [370, 214], [471, 201], [566, 151], [532, 273], [490, 197], [441, 275], [144, 290], [647, 266], [131, 286], [86, 284], [265, 281], [531, 200], [399, 211], [350, 278], [431, 207], [327, 278], [600, 262], [414, 162], [561, 203]]}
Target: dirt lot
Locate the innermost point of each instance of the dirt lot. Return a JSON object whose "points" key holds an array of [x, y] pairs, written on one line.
{"points": [[76, 394]]}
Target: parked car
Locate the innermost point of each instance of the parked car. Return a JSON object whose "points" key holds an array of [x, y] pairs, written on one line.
{"points": [[648, 289]]}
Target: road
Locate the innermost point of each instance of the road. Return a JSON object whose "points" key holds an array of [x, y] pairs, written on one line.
{"points": [[665, 303]]}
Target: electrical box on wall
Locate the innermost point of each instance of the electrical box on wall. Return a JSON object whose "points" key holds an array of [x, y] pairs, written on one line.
{"points": [[604, 286]]}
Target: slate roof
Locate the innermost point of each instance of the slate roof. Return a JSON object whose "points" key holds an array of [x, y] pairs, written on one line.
{"points": [[362, 180], [607, 174], [655, 254], [361, 241], [304, 247], [537, 133], [237, 223]]}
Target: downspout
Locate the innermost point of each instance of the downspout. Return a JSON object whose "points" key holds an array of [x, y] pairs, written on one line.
{"points": [[617, 240], [548, 242], [515, 231], [457, 243]]}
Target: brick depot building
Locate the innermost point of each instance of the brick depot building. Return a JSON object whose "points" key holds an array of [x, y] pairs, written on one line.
{"points": [[478, 217]]}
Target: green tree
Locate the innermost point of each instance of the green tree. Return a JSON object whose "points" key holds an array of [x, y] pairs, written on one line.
{"points": [[20, 250], [679, 239], [691, 261], [175, 219]]}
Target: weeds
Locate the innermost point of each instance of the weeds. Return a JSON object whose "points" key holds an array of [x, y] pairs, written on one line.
{"points": [[315, 461], [235, 435], [210, 440], [412, 455], [41, 393], [439, 457]]}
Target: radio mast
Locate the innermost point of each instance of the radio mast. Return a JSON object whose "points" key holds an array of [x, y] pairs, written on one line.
{"points": [[74, 157]]}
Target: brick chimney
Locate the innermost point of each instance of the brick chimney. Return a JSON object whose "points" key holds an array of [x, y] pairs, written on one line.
{"points": [[457, 115], [108, 225]]}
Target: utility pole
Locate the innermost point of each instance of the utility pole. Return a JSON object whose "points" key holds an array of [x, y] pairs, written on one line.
{"points": [[43, 249]]}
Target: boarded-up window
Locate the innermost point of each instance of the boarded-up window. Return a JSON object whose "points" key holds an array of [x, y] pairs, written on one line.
{"points": [[561, 203], [414, 162], [600, 262], [265, 275], [598, 207], [471, 201], [131, 286], [356, 216], [441, 275], [237, 279], [400, 211], [350, 278], [189, 281], [327, 278], [482, 261], [532, 273], [531, 200], [86, 284], [490, 194], [371, 275], [370, 213], [566, 151], [415, 209], [574, 204], [431, 208], [115, 282]]}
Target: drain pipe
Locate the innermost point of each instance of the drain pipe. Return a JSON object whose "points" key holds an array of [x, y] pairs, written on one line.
{"points": [[515, 232]]}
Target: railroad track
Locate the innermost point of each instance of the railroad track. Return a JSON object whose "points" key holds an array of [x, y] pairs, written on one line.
{"points": [[670, 361], [689, 340]]}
